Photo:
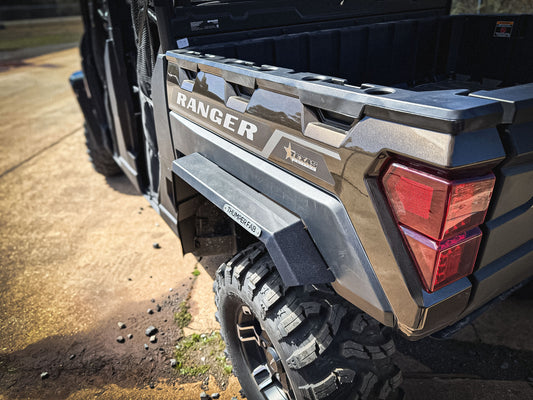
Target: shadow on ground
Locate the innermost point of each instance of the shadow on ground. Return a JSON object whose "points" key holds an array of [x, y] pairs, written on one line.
{"points": [[121, 184], [94, 358], [454, 358]]}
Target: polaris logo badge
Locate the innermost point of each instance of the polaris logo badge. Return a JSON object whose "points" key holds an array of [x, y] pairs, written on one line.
{"points": [[300, 159], [240, 218], [229, 122]]}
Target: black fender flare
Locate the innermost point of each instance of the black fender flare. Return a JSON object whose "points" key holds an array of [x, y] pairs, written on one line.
{"points": [[323, 217], [283, 233]]}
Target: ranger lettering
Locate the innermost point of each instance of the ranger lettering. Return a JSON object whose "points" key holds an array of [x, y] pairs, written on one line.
{"points": [[229, 122]]}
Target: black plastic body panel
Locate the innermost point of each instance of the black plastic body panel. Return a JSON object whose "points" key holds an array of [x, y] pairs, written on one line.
{"points": [[283, 234], [501, 275], [166, 206], [517, 103], [91, 50], [108, 64], [128, 144], [506, 255]]}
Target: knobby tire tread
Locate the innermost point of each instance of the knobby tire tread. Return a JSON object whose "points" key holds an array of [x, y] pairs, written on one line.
{"points": [[332, 349]]}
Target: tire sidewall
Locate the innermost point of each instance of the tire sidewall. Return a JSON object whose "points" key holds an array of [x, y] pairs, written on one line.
{"points": [[231, 299]]}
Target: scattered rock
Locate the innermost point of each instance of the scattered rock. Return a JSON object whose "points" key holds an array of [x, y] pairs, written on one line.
{"points": [[173, 363], [121, 325], [156, 224], [203, 336], [158, 308], [241, 392], [152, 386], [203, 396], [140, 208], [170, 290], [129, 279], [202, 359], [120, 339], [505, 365], [130, 336], [150, 331], [153, 300], [153, 339], [205, 383], [72, 357], [150, 311], [215, 395], [45, 375], [146, 346], [156, 245]]}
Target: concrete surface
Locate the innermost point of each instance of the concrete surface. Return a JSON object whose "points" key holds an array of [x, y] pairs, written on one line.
{"points": [[76, 256]]}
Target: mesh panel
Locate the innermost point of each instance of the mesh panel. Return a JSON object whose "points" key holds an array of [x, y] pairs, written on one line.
{"points": [[147, 40]]}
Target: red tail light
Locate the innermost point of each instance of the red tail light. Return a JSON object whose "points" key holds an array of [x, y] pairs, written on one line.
{"points": [[438, 219]]}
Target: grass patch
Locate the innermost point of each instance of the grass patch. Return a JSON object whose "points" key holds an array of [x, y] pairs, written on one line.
{"points": [[183, 317], [14, 37], [198, 354], [196, 271]]}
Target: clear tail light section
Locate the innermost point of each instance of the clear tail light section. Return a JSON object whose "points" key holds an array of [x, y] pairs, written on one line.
{"points": [[439, 220]]}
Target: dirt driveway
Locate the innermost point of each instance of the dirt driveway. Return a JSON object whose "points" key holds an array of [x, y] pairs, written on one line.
{"points": [[77, 258]]}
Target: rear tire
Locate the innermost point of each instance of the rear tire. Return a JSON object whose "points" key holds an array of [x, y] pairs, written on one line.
{"points": [[299, 342], [100, 158]]}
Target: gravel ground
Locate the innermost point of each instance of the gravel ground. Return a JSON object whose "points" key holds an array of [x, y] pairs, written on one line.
{"points": [[77, 258]]}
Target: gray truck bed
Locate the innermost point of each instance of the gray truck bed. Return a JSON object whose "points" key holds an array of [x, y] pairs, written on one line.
{"points": [[404, 53]]}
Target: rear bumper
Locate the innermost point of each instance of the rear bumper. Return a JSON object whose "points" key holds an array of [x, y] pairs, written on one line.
{"points": [[468, 319], [500, 276]]}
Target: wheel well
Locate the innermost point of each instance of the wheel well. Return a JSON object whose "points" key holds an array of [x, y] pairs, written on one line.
{"points": [[205, 229]]}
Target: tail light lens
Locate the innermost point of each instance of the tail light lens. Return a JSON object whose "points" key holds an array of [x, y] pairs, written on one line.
{"points": [[439, 220], [441, 263]]}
